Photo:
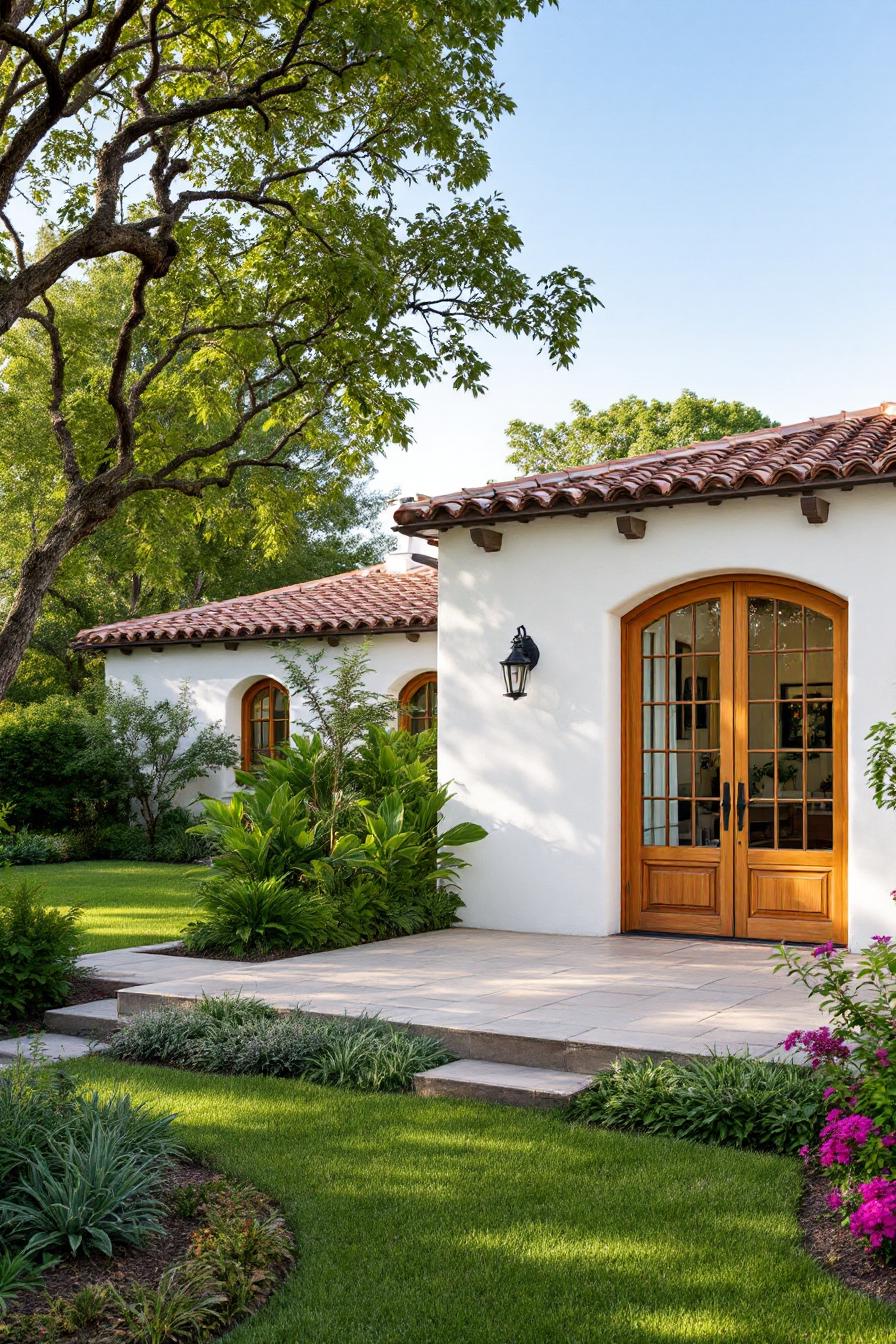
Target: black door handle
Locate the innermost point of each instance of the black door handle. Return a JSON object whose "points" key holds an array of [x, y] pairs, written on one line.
{"points": [[726, 804], [741, 805]]}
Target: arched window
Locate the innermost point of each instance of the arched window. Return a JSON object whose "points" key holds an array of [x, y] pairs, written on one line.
{"points": [[418, 703], [265, 720]]}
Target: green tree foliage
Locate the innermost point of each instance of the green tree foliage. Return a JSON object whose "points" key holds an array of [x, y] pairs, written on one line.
{"points": [[160, 750], [881, 768], [291, 192], [627, 428], [44, 773]]}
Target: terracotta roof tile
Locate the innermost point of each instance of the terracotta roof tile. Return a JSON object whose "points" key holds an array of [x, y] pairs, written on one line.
{"points": [[358, 602], [854, 447]]}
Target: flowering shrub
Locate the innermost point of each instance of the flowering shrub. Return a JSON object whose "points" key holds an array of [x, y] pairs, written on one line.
{"points": [[856, 1057]]}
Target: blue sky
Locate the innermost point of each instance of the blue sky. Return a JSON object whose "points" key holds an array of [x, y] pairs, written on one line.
{"points": [[725, 171]]}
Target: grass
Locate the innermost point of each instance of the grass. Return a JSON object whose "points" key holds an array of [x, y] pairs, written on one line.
{"points": [[124, 904], [455, 1223]]}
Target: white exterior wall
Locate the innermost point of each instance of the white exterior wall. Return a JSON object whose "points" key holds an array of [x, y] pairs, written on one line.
{"points": [[542, 774], [220, 677]]}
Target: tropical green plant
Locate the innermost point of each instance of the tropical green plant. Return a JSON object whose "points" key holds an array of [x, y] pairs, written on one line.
{"points": [[336, 839], [241, 1038], [259, 915], [38, 950], [728, 1099], [881, 768]]}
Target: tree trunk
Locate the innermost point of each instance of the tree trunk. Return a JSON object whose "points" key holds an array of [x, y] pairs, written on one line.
{"points": [[39, 569]]}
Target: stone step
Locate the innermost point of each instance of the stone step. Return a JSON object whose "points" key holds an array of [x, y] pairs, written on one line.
{"points": [[508, 1084], [97, 1021], [53, 1046]]}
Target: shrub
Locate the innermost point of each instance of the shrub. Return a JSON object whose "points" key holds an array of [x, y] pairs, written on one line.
{"points": [[256, 915], [18, 1274], [186, 1305], [177, 840], [77, 1173], [726, 1099], [161, 748], [43, 771], [38, 950], [336, 840], [247, 1038], [120, 840], [86, 1195], [26, 847], [855, 1057]]}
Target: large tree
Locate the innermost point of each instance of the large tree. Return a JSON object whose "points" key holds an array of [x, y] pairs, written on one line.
{"points": [[627, 428], [254, 166]]}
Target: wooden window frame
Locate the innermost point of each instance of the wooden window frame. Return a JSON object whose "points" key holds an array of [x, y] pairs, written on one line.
{"points": [[408, 692], [271, 684]]}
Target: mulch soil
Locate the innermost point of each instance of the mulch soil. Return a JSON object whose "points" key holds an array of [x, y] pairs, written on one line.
{"points": [[129, 1266], [84, 989], [832, 1246], [231, 956]]}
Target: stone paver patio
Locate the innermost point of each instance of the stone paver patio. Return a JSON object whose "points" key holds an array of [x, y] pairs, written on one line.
{"points": [[633, 993]]}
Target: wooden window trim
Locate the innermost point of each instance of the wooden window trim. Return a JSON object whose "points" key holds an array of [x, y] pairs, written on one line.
{"points": [[409, 691], [271, 685]]}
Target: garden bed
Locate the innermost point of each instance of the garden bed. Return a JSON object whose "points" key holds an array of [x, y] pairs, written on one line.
{"points": [[78, 1301], [832, 1246]]}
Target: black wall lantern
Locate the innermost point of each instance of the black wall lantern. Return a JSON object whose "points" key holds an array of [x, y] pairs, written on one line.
{"points": [[516, 667]]}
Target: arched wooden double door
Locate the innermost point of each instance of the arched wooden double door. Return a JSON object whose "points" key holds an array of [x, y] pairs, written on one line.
{"points": [[734, 761]]}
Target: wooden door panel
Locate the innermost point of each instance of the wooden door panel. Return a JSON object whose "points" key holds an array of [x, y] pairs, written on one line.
{"points": [[790, 756], [677, 751]]}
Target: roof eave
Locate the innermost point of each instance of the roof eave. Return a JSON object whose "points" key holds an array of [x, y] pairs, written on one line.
{"points": [[192, 641], [433, 526]]}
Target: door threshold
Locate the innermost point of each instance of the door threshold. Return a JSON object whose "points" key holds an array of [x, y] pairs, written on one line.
{"points": [[719, 938]]}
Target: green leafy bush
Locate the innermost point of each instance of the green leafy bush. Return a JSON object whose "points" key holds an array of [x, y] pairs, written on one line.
{"points": [[86, 1195], [77, 1173], [245, 1037], [337, 839], [725, 1099], [43, 770], [27, 847], [38, 950], [187, 1304]]}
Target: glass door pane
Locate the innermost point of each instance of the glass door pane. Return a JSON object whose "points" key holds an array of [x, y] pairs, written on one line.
{"points": [[790, 726], [680, 726]]}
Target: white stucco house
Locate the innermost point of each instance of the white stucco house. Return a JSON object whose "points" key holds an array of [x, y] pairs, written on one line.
{"points": [[716, 630], [228, 651]]}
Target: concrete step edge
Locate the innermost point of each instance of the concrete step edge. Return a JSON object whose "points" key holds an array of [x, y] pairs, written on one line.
{"points": [[506, 1084], [97, 1021]]}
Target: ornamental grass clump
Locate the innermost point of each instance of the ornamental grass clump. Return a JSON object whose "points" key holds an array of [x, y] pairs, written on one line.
{"points": [[855, 1058], [243, 1036]]}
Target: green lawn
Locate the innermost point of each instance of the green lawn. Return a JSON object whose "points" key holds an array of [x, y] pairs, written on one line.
{"points": [[124, 904], [454, 1223]]}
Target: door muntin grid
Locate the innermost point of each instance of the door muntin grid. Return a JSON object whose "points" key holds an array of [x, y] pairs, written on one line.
{"points": [[790, 726], [681, 726]]}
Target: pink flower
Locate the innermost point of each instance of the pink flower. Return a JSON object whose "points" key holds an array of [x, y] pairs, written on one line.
{"points": [[819, 1045], [828, 1093], [835, 1200], [841, 1135], [875, 1218], [882, 1057], [805, 1152], [884, 938], [824, 950]]}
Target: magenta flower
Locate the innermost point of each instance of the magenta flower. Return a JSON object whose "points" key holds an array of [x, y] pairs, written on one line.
{"points": [[884, 938], [882, 1057], [819, 1045], [835, 1200], [828, 1093], [841, 1135], [824, 950], [875, 1218]]}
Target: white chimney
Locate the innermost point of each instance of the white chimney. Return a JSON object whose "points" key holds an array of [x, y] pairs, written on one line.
{"points": [[400, 558]]}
